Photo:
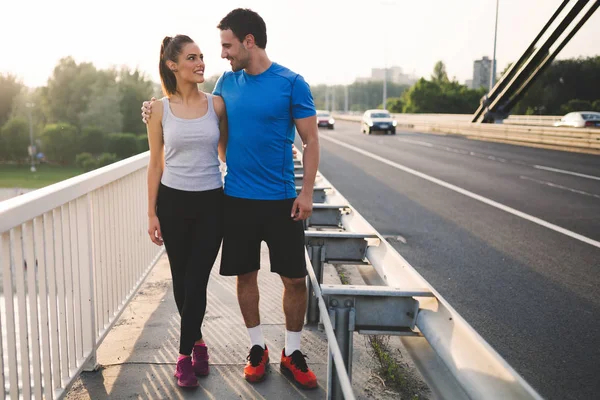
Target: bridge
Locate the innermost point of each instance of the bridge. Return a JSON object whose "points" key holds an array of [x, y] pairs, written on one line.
{"points": [[478, 254]]}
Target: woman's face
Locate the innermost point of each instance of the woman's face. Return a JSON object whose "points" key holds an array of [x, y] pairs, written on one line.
{"points": [[190, 64]]}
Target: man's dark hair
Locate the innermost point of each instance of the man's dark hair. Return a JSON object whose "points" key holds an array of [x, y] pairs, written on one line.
{"points": [[242, 22]]}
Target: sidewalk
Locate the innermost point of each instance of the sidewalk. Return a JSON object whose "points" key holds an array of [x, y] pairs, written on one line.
{"points": [[138, 356]]}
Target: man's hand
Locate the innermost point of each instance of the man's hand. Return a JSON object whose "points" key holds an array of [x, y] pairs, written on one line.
{"points": [[147, 110], [303, 206]]}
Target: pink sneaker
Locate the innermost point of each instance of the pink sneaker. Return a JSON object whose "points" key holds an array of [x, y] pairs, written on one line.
{"points": [[185, 373], [200, 360]]}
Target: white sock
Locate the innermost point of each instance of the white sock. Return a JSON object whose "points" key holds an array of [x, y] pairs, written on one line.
{"points": [[292, 342], [256, 336]]}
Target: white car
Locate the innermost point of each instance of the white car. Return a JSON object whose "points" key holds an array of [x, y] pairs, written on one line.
{"points": [[580, 119], [378, 120]]}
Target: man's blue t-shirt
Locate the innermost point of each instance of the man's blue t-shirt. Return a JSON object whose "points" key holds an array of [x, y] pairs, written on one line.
{"points": [[261, 110]]}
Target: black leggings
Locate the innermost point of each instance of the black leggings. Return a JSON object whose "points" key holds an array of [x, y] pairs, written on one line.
{"points": [[192, 230]]}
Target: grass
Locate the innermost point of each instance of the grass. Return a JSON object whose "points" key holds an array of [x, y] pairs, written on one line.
{"points": [[392, 372], [19, 176]]}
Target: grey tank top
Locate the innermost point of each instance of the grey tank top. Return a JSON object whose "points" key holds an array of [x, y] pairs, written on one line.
{"points": [[191, 155]]}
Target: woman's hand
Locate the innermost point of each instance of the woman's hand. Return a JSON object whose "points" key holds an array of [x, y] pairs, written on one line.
{"points": [[154, 230]]}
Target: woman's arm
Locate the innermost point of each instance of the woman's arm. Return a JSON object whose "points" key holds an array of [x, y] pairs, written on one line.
{"points": [[222, 114], [155, 169]]}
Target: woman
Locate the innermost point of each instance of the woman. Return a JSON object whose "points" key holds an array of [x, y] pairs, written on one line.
{"points": [[187, 133]]}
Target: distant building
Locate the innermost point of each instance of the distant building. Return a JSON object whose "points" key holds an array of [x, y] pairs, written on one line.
{"points": [[394, 75], [469, 83], [481, 73]]}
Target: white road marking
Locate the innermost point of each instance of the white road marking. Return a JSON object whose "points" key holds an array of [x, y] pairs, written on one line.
{"points": [[554, 185], [467, 193], [562, 171], [420, 143]]}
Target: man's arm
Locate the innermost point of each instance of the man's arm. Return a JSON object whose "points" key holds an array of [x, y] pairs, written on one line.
{"points": [[221, 111], [309, 133]]}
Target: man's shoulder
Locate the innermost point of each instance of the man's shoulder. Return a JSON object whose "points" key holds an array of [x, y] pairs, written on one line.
{"points": [[284, 72], [228, 74]]}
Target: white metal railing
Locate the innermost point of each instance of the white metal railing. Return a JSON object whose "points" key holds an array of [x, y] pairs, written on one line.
{"points": [[72, 255]]}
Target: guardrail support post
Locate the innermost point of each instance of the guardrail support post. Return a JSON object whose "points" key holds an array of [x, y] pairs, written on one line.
{"points": [[341, 316], [316, 259]]}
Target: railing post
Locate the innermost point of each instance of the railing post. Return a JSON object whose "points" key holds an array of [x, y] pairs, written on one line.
{"points": [[342, 318], [87, 295], [316, 259]]}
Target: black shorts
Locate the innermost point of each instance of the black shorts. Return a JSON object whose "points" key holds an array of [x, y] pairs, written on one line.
{"points": [[248, 223]]}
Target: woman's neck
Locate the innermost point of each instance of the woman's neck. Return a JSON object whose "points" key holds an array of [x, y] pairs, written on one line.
{"points": [[187, 93]]}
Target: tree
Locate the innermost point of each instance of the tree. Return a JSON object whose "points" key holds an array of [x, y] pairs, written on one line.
{"points": [[441, 97], [395, 105], [439, 73], [576, 105], [104, 108], [69, 91], [134, 89], [564, 80], [14, 140], [423, 97], [60, 143], [9, 89]]}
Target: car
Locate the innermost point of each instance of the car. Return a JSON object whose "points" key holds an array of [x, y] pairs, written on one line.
{"points": [[378, 120], [580, 119], [325, 119]]}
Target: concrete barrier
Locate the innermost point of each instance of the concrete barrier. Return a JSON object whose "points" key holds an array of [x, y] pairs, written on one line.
{"points": [[574, 139]]}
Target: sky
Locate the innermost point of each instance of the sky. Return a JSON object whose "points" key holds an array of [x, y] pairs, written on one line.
{"points": [[327, 41]]}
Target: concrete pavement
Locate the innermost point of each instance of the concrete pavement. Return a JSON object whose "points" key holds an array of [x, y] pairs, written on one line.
{"points": [[137, 358]]}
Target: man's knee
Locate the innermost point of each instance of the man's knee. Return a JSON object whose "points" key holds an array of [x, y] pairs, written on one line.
{"points": [[249, 279], [294, 283]]}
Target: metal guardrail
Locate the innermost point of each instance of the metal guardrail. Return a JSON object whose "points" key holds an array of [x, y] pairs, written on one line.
{"points": [[72, 256], [455, 360]]}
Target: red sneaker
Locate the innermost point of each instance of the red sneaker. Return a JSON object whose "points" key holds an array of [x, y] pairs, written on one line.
{"points": [[200, 360], [185, 373], [295, 368], [258, 359]]}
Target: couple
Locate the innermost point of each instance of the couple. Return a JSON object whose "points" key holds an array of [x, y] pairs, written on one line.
{"points": [[248, 120]]}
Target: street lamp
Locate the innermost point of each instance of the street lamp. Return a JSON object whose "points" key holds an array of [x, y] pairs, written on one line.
{"points": [[31, 149], [493, 69], [385, 3]]}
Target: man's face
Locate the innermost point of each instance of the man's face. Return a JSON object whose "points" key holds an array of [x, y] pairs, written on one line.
{"points": [[234, 50]]}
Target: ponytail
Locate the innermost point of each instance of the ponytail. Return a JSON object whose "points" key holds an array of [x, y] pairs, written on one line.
{"points": [[170, 50]]}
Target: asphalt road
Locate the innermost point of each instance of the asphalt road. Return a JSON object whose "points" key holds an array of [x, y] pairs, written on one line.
{"points": [[509, 235]]}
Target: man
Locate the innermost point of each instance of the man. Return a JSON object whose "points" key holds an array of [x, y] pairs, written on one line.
{"points": [[264, 101]]}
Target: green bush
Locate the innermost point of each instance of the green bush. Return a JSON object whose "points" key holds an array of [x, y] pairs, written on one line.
{"points": [[106, 159], [14, 139], [142, 143], [92, 140], [60, 143], [83, 159], [122, 144]]}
